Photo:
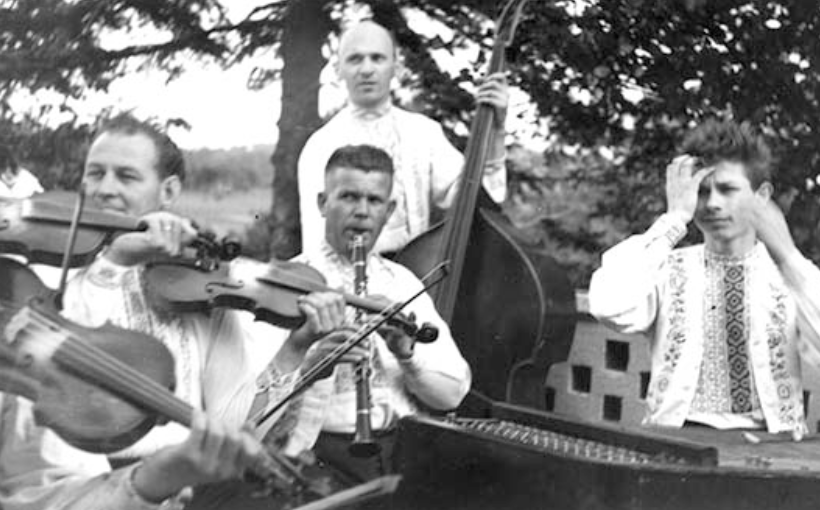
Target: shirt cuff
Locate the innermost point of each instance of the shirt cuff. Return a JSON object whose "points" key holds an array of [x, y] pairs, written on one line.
{"points": [[411, 366], [671, 227], [272, 378]]}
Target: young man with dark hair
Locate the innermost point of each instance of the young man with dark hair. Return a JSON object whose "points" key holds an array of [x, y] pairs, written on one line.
{"points": [[729, 318]]}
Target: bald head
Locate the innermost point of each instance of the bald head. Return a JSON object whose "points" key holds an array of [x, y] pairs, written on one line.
{"points": [[367, 62]]}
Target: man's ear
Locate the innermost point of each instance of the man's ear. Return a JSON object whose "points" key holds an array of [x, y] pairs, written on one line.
{"points": [[170, 190], [765, 190], [321, 201], [391, 206]]}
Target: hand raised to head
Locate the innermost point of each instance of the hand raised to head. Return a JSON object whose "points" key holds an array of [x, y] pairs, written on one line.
{"points": [[771, 228], [682, 185]]}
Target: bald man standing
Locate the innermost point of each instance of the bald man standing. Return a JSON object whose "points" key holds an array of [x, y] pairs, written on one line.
{"points": [[427, 165]]}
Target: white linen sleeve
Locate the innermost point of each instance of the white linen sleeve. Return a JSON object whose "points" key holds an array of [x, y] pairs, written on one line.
{"points": [[437, 373], [623, 291], [447, 165], [311, 175], [41, 471], [802, 278]]}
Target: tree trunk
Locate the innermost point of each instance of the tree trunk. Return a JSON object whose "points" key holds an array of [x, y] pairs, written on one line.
{"points": [[307, 26]]}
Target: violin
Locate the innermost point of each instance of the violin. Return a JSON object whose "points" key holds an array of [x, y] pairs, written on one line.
{"points": [[102, 389], [38, 228], [272, 295]]}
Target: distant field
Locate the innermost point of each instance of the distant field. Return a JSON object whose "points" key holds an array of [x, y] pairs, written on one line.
{"points": [[231, 213]]}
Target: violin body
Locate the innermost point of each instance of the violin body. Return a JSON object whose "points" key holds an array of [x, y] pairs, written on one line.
{"points": [[183, 287], [35, 364], [514, 315], [37, 228], [269, 291]]}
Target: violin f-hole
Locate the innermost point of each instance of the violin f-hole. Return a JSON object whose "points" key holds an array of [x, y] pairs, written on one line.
{"points": [[212, 287]]}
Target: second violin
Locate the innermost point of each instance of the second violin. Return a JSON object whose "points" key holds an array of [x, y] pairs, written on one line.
{"points": [[270, 292]]}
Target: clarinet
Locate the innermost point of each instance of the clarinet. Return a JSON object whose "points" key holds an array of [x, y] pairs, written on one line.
{"points": [[363, 444]]}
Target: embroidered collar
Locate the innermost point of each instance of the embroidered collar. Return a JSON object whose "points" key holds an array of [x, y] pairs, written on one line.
{"points": [[717, 258], [341, 263], [374, 113]]}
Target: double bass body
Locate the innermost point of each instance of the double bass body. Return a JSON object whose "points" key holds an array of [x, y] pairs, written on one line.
{"points": [[515, 311], [511, 309]]}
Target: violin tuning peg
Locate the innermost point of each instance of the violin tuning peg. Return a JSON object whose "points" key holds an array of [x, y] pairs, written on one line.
{"points": [[231, 248], [427, 333]]}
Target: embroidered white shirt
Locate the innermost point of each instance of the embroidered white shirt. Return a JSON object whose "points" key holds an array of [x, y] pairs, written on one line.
{"points": [[436, 374], [213, 371], [427, 169], [645, 285]]}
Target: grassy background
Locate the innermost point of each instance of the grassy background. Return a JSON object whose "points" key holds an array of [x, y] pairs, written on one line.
{"points": [[226, 213]]}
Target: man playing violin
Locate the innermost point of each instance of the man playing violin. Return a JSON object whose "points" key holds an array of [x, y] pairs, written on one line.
{"points": [[427, 166], [356, 201], [134, 169]]}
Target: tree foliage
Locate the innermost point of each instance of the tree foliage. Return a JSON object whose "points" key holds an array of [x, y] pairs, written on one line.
{"points": [[618, 82]]}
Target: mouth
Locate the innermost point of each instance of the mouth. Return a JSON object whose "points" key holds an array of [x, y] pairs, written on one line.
{"points": [[715, 221], [358, 231]]}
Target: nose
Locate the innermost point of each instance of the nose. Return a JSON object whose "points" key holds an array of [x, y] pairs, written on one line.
{"points": [[712, 200], [105, 186], [367, 66], [362, 208]]}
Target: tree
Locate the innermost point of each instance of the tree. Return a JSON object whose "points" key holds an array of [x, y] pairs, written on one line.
{"points": [[59, 45]]}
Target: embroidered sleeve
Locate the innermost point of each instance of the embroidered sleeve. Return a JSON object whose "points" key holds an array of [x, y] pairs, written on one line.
{"points": [[802, 278], [42, 471], [623, 291]]}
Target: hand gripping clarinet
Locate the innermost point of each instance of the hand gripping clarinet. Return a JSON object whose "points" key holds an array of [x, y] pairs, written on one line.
{"points": [[322, 368], [363, 444]]}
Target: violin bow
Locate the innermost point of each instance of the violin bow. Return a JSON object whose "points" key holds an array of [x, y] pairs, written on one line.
{"points": [[70, 243], [435, 276]]}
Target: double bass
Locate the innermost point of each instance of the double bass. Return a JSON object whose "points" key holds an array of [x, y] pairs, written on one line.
{"points": [[510, 306]]}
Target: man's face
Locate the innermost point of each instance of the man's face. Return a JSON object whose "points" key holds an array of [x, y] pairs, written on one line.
{"points": [[367, 64], [355, 202], [120, 174], [725, 202]]}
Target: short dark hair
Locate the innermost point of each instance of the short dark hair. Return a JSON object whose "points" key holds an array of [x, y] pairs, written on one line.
{"points": [[360, 157], [7, 159], [170, 160], [724, 140]]}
